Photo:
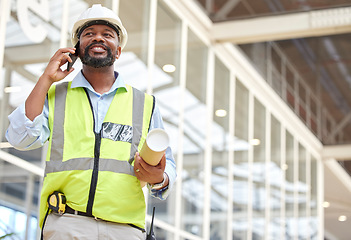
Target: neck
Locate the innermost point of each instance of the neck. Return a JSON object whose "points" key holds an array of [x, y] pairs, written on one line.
{"points": [[101, 79]]}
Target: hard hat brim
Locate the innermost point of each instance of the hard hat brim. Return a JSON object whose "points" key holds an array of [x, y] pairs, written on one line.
{"points": [[80, 25]]}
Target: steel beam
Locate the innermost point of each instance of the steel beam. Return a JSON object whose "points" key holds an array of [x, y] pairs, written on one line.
{"points": [[287, 26], [338, 152]]}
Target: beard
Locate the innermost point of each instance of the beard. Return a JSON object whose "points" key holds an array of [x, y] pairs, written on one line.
{"points": [[97, 62]]}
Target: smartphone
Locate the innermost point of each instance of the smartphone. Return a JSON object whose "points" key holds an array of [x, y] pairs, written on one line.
{"points": [[74, 57]]}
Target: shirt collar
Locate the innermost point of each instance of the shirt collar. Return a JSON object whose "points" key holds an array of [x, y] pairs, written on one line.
{"points": [[80, 81]]}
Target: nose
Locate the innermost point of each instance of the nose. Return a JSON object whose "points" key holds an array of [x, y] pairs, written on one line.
{"points": [[99, 38]]}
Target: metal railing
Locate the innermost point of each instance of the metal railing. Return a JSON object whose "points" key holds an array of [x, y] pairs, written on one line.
{"points": [[283, 77]]}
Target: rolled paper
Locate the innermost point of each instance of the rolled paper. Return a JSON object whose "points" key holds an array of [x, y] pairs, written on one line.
{"points": [[154, 147]]}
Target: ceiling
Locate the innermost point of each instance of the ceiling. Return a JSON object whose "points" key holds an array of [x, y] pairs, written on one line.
{"points": [[320, 54], [312, 39]]}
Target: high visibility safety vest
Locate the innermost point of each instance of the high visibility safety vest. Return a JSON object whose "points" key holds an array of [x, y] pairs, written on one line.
{"points": [[95, 171]]}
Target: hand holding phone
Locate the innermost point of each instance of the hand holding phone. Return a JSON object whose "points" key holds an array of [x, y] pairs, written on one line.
{"points": [[74, 57], [70, 64]]}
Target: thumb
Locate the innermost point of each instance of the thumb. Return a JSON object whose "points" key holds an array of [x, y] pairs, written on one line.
{"points": [[68, 72], [163, 162]]}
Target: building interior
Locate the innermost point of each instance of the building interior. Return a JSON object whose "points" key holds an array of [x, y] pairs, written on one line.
{"points": [[299, 49]]}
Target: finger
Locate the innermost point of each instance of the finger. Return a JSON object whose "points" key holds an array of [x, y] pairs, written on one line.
{"points": [[138, 169], [64, 51], [136, 166], [163, 162], [65, 58], [70, 56], [67, 50], [58, 60], [68, 72], [146, 167]]}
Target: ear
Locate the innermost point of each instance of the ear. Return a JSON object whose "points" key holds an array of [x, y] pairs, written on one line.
{"points": [[119, 51]]}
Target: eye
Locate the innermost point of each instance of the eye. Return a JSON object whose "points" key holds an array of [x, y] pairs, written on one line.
{"points": [[108, 35]]}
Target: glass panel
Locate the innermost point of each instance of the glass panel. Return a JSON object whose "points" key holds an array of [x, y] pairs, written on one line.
{"points": [[290, 88], [241, 170], [167, 92], [255, 52], [19, 202], [302, 189], [314, 115], [313, 225], [194, 136], [259, 170], [32, 37], [162, 234], [132, 64], [276, 59], [289, 187], [220, 136], [275, 179]]}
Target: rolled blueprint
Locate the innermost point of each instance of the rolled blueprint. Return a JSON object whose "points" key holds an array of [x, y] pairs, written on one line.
{"points": [[154, 146]]}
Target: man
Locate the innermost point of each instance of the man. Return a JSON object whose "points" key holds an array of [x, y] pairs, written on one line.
{"points": [[95, 125]]}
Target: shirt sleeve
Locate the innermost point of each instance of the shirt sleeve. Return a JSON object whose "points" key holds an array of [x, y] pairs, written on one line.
{"points": [[24, 134], [170, 170]]}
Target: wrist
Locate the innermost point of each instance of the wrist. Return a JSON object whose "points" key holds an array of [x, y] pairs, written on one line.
{"points": [[46, 80], [160, 185]]}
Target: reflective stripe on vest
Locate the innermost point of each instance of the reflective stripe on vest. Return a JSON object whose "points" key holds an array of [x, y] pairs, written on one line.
{"points": [[95, 172], [56, 155]]}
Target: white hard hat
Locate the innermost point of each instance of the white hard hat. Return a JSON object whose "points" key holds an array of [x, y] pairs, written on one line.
{"points": [[98, 14]]}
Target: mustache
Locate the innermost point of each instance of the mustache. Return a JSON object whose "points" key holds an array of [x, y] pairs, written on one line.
{"points": [[97, 62], [100, 44]]}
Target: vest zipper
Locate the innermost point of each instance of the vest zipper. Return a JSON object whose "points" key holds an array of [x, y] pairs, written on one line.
{"points": [[95, 174]]}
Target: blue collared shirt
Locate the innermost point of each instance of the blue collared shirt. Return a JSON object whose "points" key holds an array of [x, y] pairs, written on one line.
{"points": [[25, 134]]}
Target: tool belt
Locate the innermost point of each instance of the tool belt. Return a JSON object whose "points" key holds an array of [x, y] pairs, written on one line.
{"points": [[57, 204], [72, 211]]}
